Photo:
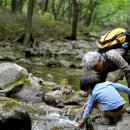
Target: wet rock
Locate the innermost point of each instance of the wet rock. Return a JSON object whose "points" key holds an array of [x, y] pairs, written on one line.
{"points": [[13, 116], [63, 96]]}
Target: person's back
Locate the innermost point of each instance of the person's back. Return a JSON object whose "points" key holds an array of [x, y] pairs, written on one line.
{"points": [[107, 95], [113, 60], [105, 63]]}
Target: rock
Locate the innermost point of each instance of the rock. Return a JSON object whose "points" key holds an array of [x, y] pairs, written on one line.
{"points": [[10, 72], [14, 90], [62, 97], [13, 116], [54, 97], [31, 91], [50, 77]]}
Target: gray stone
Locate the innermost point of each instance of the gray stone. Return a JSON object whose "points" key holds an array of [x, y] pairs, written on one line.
{"points": [[10, 72]]}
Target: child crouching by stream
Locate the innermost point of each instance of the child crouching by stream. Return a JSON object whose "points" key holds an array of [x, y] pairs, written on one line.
{"points": [[106, 98]]}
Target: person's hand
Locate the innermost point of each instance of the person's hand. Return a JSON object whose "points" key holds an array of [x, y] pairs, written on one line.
{"points": [[81, 123], [114, 79], [84, 106]]}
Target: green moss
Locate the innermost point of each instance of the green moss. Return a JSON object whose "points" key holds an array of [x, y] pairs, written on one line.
{"points": [[23, 79], [46, 89], [8, 104]]}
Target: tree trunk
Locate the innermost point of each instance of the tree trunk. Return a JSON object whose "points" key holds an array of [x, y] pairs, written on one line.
{"points": [[70, 11], [75, 20], [59, 7], [1, 2], [28, 23], [46, 5], [17, 5], [14, 6], [54, 10]]}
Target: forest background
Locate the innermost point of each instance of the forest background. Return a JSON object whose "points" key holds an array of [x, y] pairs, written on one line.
{"points": [[58, 19]]}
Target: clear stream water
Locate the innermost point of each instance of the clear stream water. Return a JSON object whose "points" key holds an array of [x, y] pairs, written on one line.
{"points": [[45, 117]]}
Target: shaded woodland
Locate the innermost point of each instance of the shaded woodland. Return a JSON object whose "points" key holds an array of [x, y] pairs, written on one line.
{"points": [[58, 19]]}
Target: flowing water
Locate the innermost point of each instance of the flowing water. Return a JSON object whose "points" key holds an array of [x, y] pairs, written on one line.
{"points": [[45, 117]]}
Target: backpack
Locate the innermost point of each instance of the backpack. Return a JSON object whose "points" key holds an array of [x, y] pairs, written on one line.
{"points": [[117, 38]]}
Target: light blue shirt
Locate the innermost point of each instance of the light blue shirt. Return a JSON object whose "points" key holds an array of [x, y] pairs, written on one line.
{"points": [[107, 95]]}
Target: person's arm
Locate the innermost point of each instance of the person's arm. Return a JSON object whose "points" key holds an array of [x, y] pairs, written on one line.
{"points": [[115, 57], [120, 76], [82, 123], [87, 111], [121, 87]]}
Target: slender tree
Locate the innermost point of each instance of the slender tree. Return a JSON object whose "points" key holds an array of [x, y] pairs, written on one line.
{"points": [[28, 23], [75, 19], [46, 5], [14, 6]]}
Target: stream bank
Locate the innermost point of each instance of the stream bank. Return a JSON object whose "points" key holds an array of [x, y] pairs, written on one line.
{"points": [[63, 59]]}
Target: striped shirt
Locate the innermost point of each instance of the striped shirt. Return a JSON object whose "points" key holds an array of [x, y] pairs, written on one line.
{"points": [[114, 61]]}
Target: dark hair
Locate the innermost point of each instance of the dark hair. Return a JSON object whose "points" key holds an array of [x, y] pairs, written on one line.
{"points": [[88, 81]]}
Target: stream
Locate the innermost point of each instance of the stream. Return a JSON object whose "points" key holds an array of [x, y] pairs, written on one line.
{"points": [[45, 117], [72, 76]]}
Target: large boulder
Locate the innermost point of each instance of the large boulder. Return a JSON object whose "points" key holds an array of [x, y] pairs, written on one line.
{"points": [[10, 72], [13, 116], [16, 82]]}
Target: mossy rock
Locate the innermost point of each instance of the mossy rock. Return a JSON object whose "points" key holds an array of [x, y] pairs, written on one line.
{"points": [[13, 116], [8, 105]]}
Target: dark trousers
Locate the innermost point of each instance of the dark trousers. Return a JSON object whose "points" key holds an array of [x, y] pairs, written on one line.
{"points": [[128, 82], [127, 58]]}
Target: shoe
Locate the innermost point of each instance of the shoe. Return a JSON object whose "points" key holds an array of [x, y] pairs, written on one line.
{"points": [[128, 109], [103, 121]]}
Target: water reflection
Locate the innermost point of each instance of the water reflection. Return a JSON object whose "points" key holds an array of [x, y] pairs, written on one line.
{"points": [[72, 76]]}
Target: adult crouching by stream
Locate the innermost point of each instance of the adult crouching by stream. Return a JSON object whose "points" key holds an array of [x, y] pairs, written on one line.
{"points": [[103, 64], [105, 97]]}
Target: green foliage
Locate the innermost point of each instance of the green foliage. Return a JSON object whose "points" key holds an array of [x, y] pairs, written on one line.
{"points": [[63, 83], [11, 24], [8, 30], [49, 25], [105, 14], [48, 17], [113, 13]]}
